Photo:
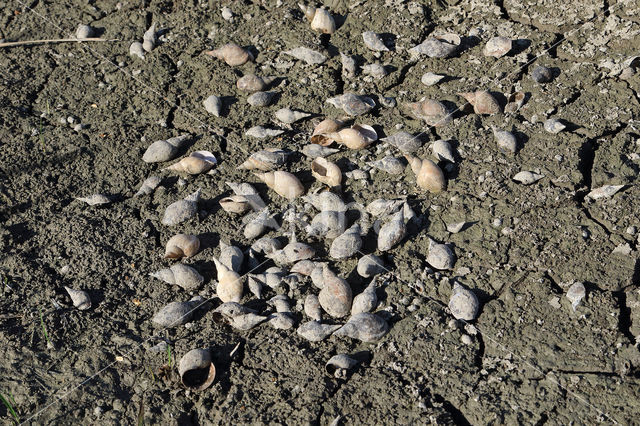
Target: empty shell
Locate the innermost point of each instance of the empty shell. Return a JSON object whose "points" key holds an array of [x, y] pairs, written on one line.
{"points": [[79, 298], [266, 245], [149, 39], [554, 126], [356, 137], [281, 320], [365, 301], [392, 232], [136, 49], [463, 303], [312, 307], [314, 151], [254, 83], [382, 207], [181, 245], [229, 287], [176, 313], [605, 191], [314, 331], [437, 47], [231, 54], [483, 102], [366, 327], [261, 99], [326, 172], [428, 175], [84, 31], [327, 224], [213, 105], [325, 126], [347, 244], [96, 199], [497, 47], [433, 112], [389, 164], [320, 19], [288, 116], [326, 201], [235, 204], [429, 79], [404, 141], [527, 177], [292, 253], [266, 160], [335, 296], [165, 150], [374, 42], [196, 370], [370, 265], [575, 294], [197, 162], [352, 104], [506, 141], [181, 275], [283, 183], [339, 364], [257, 224], [262, 132], [181, 210], [247, 321], [440, 256], [310, 56], [231, 256], [148, 186]]}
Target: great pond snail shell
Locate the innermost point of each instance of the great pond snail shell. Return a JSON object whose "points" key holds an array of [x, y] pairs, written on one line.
{"points": [[283, 183], [389, 164], [374, 42], [346, 244], [148, 186], [326, 172], [96, 199], [314, 151], [230, 286], [312, 307], [326, 201], [404, 141], [356, 137], [440, 256], [231, 256], [310, 56], [335, 296], [392, 232], [370, 265], [433, 112], [165, 150], [506, 141], [327, 224], [182, 210], [339, 365], [237, 204], [442, 151], [197, 162], [320, 18], [292, 253], [231, 54], [463, 303], [266, 160], [366, 327], [181, 275], [262, 132], [196, 370], [314, 331], [428, 175], [497, 47], [79, 298], [213, 105], [352, 104], [328, 125], [365, 301], [441, 46], [289, 116], [181, 245], [254, 83], [176, 313], [483, 102], [149, 39]]}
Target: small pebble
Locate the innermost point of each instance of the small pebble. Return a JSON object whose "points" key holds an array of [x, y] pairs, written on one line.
{"points": [[541, 74]]}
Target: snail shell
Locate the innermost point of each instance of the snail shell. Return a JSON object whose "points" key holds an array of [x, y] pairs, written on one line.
{"points": [[497, 47], [235, 204], [181, 210], [79, 298], [266, 245], [389, 164], [281, 303], [315, 151], [440, 256], [231, 54], [292, 252], [213, 105], [405, 142], [328, 125], [176, 313], [429, 79], [527, 177], [265, 160], [229, 310], [96, 199], [442, 151], [262, 132], [437, 47], [335, 296], [303, 267], [366, 327], [253, 83], [289, 116], [271, 278], [328, 224], [554, 126], [605, 191], [317, 275], [229, 283], [370, 265], [433, 112], [365, 301], [261, 99], [463, 303], [346, 244], [352, 104], [483, 102], [515, 101], [374, 42], [196, 370], [542, 74], [281, 320], [181, 275], [136, 49], [575, 294], [310, 56], [314, 331], [326, 172], [255, 286], [181, 245], [84, 31], [382, 207], [349, 67], [312, 307], [231, 256], [428, 175], [392, 232], [377, 71], [283, 183], [149, 39], [249, 193], [339, 364], [257, 225], [148, 186], [247, 321], [356, 137], [321, 20], [165, 150], [197, 162], [506, 141], [326, 201]]}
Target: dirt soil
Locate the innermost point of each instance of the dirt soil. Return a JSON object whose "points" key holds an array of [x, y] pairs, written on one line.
{"points": [[528, 358]]}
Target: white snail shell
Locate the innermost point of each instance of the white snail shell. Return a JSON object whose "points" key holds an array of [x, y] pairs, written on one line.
{"points": [[79, 298], [283, 183], [230, 286], [314, 331], [196, 370], [182, 210], [181, 275], [181, 245], [335, 296]]}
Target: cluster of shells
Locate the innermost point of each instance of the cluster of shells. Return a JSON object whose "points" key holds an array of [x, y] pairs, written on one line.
{"points": [[328, 307]]}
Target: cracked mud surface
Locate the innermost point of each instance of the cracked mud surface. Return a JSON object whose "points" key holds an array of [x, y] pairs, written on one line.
{"points": [[531, 357]]}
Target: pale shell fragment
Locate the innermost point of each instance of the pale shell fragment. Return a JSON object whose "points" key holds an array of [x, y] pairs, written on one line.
{"points": [[392, 232], [497, 47], [289, 116], [254, 83], [196, 370], [374, 42], [314, 331], [263, 132], [84, 31], [182, 210], [437, 47], [136, 49], [213, 105], [149, 39], [527, 177], [430, 79], [464, 304], [96, 199], [79, 298], [366, 327], [506, 141], [349, 66], [575, 294], [310, 56], [605, 191], [375, 70], [352, 104]]}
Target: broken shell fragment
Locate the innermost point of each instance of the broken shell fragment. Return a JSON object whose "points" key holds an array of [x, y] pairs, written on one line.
{"points": [[181, 210], [231, 54], [366, 327], [96, 199], [197, 162], [339, 365], [254, 83], [463, 303], [370, 265], [310, 56], [405, 142], [429, 79], [261, 99], [506, 141], [374, 42], [229, 287], [433, 112], [84, 31], [440, 256], [347, 244], [328, 224], [497, 47], [231, 256], [605, 191], [527, 177], [326, 172], [483, 102], [176, 313], [335, 296], [181, 245], [213, 105], [325, 126], [262, 132], [349, 67], [554, 126], [352, 104], [392, 232], [314, 331], [515, 102], [389, 164], [289, 116], [181, 275], [314, 151], [365, 301], [428, 175], [375, 70], [437, 47], [265, 160], [234, 204], [283, 183], [356, 137], [312, 307], [442, 151], [165, 150], [196, 370], [575, 294], [79, 298], [148, 186]]}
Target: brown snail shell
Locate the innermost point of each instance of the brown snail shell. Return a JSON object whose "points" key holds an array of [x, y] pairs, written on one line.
{"points": [[314, 331], [326, 172], [428, 175], [265, 160], [230, 287], [237, 204], [335, 296], [433, 112], [283, 183], [181, 245], [181, 210], [181, 275], [253, 83], [365, 327], [392, 232], [196, 370], [79, 298], [231, 54], [328, 125], [483, 102], [197, 162], [356, 137]]}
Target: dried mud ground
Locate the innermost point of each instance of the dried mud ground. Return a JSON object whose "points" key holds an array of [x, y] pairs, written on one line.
{"points": [[531, 358]]}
